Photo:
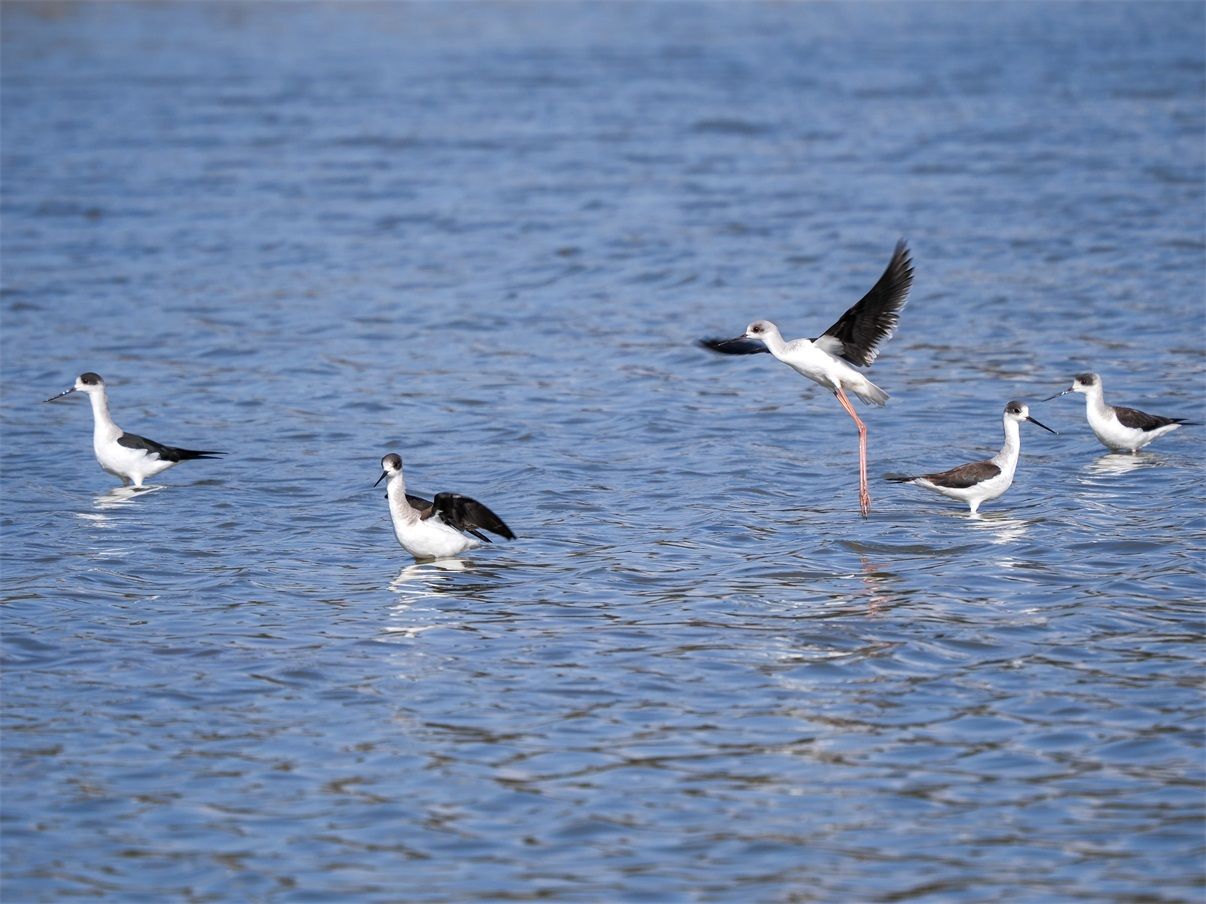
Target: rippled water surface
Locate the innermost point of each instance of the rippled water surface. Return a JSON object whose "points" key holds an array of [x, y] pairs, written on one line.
{"points": [[485, 237]]}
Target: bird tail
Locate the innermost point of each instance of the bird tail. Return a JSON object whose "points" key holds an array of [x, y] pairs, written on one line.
{"points": [[870, 393], [899, 478], [187, 454]]}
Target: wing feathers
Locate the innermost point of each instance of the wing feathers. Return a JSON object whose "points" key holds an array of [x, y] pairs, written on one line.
{"points": [[859, 332], [738, 346], [468, 515], [420, 505], [166, 453], [964, 476], [1141, 420]]}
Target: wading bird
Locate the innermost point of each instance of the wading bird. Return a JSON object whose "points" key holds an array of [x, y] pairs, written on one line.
{"points": [[854, 340], [436, 529], [1119, 429], [131, 457], [982, 480]]}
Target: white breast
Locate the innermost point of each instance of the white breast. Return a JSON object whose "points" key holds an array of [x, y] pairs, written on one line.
{"points": [[431, 539]]}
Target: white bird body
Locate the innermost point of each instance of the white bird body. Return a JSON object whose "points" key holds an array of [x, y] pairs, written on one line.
{"points": [[1109, 429], [809, 360], [980, 481], [439, 529], [130, 465], [127, 456], [853, 340], [1006, 461], [423, 539]]}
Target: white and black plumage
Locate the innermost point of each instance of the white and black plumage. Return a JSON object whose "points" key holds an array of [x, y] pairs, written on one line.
{"points": [[853, 341], [1117, 428], [436, 529], [980, 481], [131, 457]]}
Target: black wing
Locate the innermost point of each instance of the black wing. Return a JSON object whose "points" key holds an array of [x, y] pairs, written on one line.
{"points": [[738, 346], [1141, 420], [419, 504], [468, 515], [964, 476], [859, 332], [167, 453]]}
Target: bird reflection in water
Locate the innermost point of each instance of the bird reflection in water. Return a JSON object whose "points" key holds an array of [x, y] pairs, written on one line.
{"points": [[417, 585], [1115, 464], [119, 496], [1002, 528], [423, 571], [878, 586]]}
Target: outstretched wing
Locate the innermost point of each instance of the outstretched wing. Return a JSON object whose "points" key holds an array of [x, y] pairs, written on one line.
{"points": [[468, 515], [738, 346], [859, 332], [166, 453]]}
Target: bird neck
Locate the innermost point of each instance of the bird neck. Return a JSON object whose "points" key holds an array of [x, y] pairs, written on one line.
{"points": [[1007, 458], [775, 343], [103, 427], [399, 508], [1095, 400]]}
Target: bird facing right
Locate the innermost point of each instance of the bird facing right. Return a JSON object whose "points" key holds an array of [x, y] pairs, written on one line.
{"points": [[1118, 429], [981, 481]]}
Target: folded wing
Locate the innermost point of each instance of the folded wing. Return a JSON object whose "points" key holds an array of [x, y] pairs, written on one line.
{"points": [[166, 453], [1141, 420], [964, 476]]}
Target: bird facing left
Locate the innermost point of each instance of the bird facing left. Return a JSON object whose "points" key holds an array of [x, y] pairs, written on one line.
{"points": [[127, 456], [436, 528]]}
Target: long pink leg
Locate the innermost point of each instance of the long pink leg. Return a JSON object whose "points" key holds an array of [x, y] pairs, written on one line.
{"points": [[864, 494]]}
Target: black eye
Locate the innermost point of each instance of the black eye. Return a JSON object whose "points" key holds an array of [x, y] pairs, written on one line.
{"points": [[756, 329]]}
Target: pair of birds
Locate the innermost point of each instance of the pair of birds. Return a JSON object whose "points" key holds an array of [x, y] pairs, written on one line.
{"points": [[435, 528], [451, 523]]}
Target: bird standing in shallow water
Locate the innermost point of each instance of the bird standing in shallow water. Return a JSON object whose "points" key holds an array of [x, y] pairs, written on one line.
{"points": [[853, 340], [1119, 429], [128, 456], [982, 480], [436, 529]]}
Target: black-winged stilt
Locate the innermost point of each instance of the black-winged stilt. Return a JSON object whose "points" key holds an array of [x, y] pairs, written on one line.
{"points": [[435, 529], [1119, 429], [853, 340], [128, 456], [982, 480]]}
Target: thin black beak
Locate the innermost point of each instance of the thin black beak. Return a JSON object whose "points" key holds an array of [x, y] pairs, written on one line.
{"points": [[61, 394], [1044, 426], [1056, 396], [381, 478]]}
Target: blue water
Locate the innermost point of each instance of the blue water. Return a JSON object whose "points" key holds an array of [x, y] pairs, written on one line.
{"points": [[485, 236]]}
